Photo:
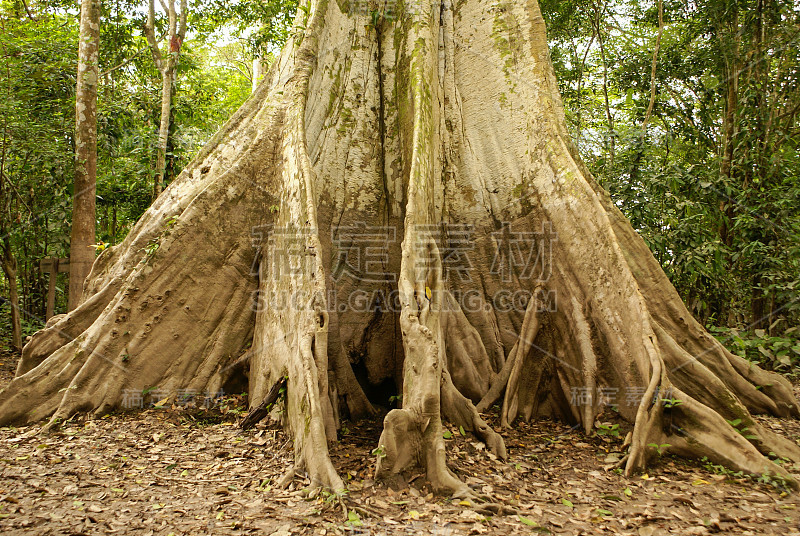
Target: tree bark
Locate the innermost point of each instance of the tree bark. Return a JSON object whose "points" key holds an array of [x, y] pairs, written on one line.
{"points": [[163, 132], [491, 255], [83, 200]]}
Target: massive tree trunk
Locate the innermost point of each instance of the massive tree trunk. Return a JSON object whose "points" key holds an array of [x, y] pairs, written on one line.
{"points": [[399, 202], [82, 239]]}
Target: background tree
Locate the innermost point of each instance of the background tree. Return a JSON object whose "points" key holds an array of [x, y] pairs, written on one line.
{"points": [[707, 184], [9, 262], [38, 81], [83, 208], [166, 63]]}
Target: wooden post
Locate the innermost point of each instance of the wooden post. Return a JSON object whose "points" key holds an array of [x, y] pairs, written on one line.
{"points": [[53, 266]]}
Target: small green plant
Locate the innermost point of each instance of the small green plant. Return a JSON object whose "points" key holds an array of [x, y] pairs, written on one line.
{"points": [[151, 248], [670, 403], [736, 423], [720, 469], [331, 497], [611, 430], [353, 519], [780, 460], [396, 399], [771, 479], [775, 480], [659, 448], [100, 246], [380, 452]]}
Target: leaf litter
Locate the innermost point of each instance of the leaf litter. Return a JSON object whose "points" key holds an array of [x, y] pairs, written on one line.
{"points": [[181, 470]]}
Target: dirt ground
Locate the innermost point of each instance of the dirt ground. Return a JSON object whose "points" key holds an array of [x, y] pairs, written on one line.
{"points": [[192, 470]]}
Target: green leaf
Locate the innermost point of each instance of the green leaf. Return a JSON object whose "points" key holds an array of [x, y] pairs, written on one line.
{"points": [[353, 519], [567, 503], [447, 434], [525, 521]]}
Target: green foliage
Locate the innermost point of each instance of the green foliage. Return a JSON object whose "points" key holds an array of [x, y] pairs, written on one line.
{"points": [[659, 448], [670, 403], [611, 430], [353, 519], [37, 116], [770, 479], [716, 205], [737, 425], [264, 26], [37, 85], [779, 352]]}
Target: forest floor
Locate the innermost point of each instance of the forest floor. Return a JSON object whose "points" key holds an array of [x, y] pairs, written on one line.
{"points": [[188, 470]]}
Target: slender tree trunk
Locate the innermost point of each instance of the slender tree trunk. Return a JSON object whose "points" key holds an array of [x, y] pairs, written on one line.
{"points": [[83, 201], [10, 271], [166, 65], [257, 73], [612, 135], [729, 119], [653, 70], [163, 132]]}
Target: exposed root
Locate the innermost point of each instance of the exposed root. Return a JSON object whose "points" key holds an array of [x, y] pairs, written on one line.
{"points": [[459, 410], [412, 436], [263, 409], [467, 359], [286, 478], [495, 509], [528, 333]]}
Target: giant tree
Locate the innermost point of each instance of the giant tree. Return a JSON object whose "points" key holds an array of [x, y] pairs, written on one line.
{"points": [[399, 205]]}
